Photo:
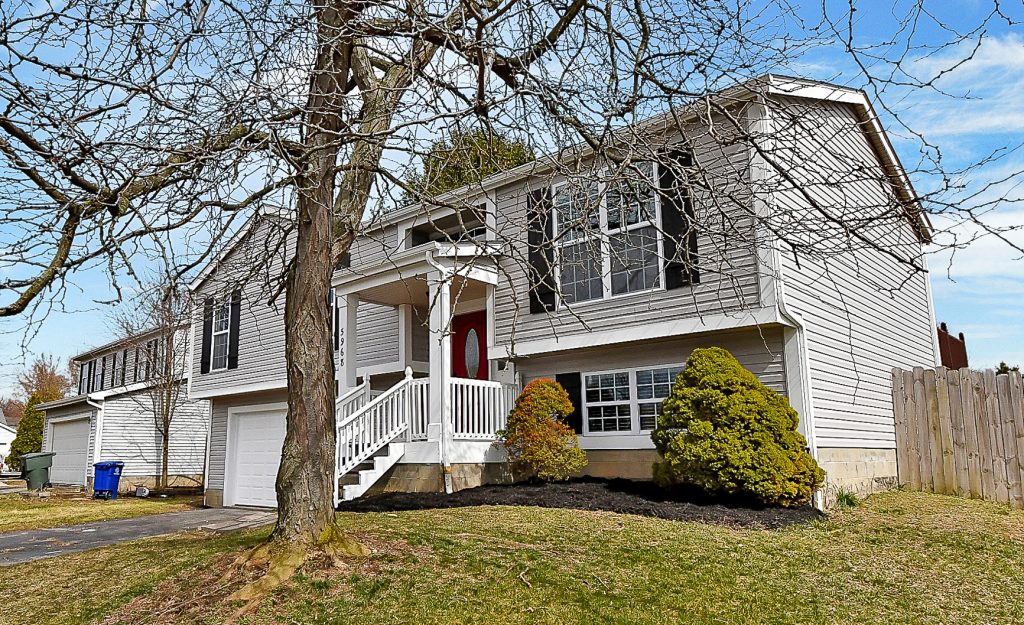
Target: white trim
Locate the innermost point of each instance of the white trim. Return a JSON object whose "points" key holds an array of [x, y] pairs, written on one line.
{"points": [[273, 385], [396, 366], [664, 329], [206, 460], [229, 453], [931, 311]]}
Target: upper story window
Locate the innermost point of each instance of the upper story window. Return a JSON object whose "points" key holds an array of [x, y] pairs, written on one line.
{"points": [[221, 333], [221, 320], [597, 235], [609, 242]]}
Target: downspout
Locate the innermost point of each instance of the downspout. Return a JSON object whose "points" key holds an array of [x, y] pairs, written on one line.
{"points": [[444, 451]]}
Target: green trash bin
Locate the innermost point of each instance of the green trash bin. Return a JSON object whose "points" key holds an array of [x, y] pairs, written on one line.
{"points": [[35, 469]]}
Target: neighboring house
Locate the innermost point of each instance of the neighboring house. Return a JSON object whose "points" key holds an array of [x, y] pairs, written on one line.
{"points": [[7, 435], [440, 318], [114, 415]]}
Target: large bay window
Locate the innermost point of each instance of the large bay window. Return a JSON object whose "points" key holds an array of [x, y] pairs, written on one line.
{"points": [[609, 242], [627, 401]]}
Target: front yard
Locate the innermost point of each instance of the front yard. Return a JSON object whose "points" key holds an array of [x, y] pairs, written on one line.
{"points": [[20, 513], [897, 558]]}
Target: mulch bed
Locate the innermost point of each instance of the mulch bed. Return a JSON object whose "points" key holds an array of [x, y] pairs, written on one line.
{"points": [[622, 496]]}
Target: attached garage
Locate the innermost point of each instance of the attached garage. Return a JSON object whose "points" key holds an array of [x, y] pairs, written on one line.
{"points": [[69, 440], [255, 437]]}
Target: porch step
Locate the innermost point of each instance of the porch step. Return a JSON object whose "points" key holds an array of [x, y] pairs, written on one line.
{"points": [[356, 482]]}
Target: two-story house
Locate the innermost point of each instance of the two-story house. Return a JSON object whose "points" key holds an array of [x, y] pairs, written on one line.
{"points": [[128, 394], [726, 234]]}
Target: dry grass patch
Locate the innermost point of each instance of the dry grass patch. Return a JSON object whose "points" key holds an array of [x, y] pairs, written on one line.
{"points": [[18, 512]]}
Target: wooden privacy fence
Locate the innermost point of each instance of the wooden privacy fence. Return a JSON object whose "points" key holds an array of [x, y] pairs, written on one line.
{"points": [[960, 432]]}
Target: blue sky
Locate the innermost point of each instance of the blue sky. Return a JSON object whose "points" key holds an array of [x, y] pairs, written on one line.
{"points": [[977, 290]]}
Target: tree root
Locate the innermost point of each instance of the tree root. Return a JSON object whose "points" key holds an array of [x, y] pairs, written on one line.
{"points": [[282, 559]]}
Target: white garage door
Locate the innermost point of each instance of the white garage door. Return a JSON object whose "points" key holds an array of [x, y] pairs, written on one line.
{"points": [[254, 456], [71, 444]]}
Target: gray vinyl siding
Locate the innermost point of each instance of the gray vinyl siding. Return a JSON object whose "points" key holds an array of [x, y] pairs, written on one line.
{"points": [[864, 311], [74, 411], [256, 266], [729, 269], [758, 349], [219, 430], [420, 334], [261, 339], [376, 334], [130, 434]]}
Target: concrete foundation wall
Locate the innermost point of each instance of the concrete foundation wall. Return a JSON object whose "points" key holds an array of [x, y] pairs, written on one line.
{"points": [[213, 498], [857, 470]]}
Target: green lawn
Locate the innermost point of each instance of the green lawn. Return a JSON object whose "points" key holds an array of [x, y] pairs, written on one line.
{"points": [[897, 558], [19, 513]]}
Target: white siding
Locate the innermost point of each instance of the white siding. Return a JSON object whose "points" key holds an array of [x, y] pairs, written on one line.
{"points": [[757, 349], [130, 434], [864, 311], [728, 264]]}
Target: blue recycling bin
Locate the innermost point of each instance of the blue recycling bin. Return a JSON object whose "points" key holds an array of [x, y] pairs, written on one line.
{"points": [[106, 478]]}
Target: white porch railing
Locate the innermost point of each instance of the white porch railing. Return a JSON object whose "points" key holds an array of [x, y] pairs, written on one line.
{"points": [[480, 407], [368, 429], [353, 399], [419, 409]]}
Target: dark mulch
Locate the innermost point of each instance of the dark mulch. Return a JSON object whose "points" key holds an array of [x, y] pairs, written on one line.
{"points": [[622, 496]]}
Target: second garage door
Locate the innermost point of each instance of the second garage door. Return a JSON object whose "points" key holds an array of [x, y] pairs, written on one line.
{"points": [[70, 443], [254, 454]]}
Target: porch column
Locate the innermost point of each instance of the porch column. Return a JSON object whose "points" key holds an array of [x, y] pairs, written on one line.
{"points": [[348, 304], [439, 426]]}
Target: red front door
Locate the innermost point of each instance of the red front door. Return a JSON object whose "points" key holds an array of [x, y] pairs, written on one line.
{"points": [[469, 346]]}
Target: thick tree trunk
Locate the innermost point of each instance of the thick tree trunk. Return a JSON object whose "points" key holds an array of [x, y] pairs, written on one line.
{"points": [[305, 481]]}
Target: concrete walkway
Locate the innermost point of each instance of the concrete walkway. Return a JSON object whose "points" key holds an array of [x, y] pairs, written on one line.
{"points": [[29, 545]]}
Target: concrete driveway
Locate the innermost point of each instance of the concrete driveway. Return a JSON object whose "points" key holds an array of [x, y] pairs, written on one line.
{"points": [[29, 545]]}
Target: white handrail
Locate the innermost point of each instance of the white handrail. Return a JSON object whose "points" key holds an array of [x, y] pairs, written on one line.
{"points": [[353, 399], [480, 407], [368, 429]]}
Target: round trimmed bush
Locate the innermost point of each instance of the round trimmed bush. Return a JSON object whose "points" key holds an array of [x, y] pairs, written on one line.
{"points": [[536, 437], [724, 431]]}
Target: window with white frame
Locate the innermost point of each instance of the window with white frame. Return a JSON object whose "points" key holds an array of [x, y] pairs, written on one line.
{"points": [[609, 240], [628, 400], [221, 332]]}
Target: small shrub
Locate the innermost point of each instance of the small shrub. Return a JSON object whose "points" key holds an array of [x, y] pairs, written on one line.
{"points": [[537, 440], [726, 432]]}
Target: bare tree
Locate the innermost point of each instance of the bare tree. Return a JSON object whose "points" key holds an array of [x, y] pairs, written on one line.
{"points": [[155, 126], [157, 322], [44, 379]]}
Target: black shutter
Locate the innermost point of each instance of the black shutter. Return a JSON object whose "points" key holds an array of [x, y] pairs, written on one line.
{"points": [[680, 238], [572, 384], [541, 251], [236, 316], [204, 358]]}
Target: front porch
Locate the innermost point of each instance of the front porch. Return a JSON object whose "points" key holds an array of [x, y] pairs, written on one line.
{"points": [[447, 408]]}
